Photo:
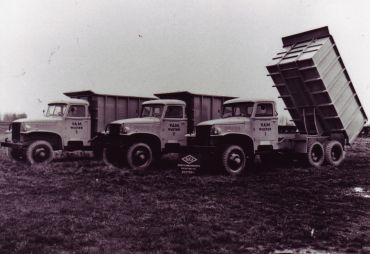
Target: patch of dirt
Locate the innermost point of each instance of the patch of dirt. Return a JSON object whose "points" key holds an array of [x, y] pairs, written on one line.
{"points": [[85, 207]]}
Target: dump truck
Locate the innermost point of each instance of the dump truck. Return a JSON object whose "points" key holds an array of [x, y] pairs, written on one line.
{"points": [[161, 128], [313, 82], [68, 125]]}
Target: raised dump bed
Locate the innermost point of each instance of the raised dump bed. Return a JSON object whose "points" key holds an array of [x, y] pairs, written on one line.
{"points": [[313, 82]]}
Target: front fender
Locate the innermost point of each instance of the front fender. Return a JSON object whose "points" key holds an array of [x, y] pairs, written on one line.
{"points": [[104, 140], [236, 138], [54, 138]]}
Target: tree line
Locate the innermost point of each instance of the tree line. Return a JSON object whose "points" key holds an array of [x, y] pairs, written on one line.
{"points": [[9, 117]]}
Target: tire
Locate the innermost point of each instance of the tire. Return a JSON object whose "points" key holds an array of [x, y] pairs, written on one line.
{"points": [[114, 157], [140, 156], [234, 160], [40, 152], [15, 154], [334, 153], [316, 154]]}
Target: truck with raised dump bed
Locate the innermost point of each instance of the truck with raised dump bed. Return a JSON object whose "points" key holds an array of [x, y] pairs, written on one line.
{"points": [[136, 143], [68, 125], [313, 82]]}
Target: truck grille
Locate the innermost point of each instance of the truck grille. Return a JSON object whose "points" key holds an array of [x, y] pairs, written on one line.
{"points": [[203, 135], [16, 131], [114, 129]]}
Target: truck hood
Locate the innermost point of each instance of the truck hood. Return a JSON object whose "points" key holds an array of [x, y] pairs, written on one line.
{"points": [[39, 120], [144, 120], [225, 121]]}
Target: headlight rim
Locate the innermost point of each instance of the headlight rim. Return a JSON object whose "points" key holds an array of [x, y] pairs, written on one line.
{"points": [[215, 130], [124, 129]]}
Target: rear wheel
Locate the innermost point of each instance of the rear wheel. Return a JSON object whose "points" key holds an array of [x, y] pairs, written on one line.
{"points": [[234, 160], [39, 152], [15, 154], [334, 152], [316, 155], [139, 156]]}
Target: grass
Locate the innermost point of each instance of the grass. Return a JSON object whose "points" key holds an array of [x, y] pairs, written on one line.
{"points": [[85, 207]]}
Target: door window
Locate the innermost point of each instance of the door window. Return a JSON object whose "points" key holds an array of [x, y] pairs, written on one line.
{"points": [[174, 112], [264, 110], [76, 111]]}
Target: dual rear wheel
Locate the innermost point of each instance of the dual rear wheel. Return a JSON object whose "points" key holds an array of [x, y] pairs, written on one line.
{"points": [[331, 152]]}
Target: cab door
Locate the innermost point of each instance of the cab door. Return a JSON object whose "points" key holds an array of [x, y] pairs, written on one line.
{"points": [[174, 126], [265, 125], [77, 126]]}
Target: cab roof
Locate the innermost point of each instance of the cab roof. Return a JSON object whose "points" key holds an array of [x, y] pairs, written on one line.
{"points": [[70, 101], [165, 102], [241, 100]]}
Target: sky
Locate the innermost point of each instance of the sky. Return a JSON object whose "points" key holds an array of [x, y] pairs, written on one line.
{"points": [[141, 47]]}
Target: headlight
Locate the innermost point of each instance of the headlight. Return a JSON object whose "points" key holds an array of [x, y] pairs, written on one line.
{"points": [[25, 127], [215, 130], [106, 130], [124, 129]]}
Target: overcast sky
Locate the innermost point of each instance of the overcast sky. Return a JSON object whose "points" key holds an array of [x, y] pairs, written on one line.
{"points": [[140, 47]]}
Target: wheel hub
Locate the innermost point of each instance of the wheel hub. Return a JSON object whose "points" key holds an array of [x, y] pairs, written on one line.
{"points": [[140, 157], [316, 154], [40, 154], [235, 158]]}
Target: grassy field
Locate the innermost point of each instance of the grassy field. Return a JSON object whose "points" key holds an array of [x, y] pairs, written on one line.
{"points": [[85, 207]]}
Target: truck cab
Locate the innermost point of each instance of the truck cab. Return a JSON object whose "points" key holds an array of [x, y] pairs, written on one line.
{"points": [[162, 126], [65, 126], [247, 127]]}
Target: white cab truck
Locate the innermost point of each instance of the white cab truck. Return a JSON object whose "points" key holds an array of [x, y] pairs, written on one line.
{"points": [[136, 143], [67, 126], [319, 95]]}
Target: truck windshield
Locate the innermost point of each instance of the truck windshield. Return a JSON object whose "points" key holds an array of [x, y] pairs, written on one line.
{"points": [[244, 109], [56, 109], [154, 110]]}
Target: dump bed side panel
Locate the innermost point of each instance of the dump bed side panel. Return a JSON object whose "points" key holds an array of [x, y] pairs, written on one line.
{"points": [[311, 78]]}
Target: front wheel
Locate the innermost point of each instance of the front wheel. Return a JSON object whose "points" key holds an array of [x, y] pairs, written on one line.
{"points": [[139, 156], [40, 152], [234, 160]]}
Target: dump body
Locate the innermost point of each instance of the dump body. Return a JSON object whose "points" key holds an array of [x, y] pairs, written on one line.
{"points": [[199, 107], [107, 108], [313, 82]]}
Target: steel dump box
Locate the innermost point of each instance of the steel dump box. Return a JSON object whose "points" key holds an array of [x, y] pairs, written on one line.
{"points": [[199, 107], [313, 82], [107, 108]]}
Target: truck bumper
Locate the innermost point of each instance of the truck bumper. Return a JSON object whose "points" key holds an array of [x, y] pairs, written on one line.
{"points": [[15, 145]]}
